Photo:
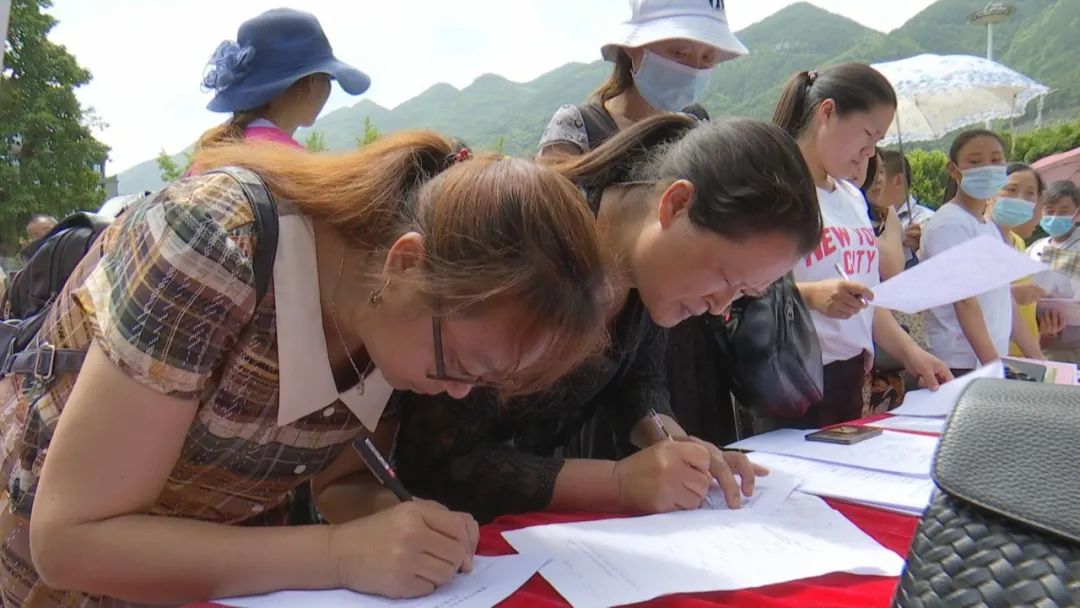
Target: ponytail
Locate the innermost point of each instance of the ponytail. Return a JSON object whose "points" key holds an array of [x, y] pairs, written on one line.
{"points": [[790, 114], [360, 192], [853, 87], [620, 158], [231, 130], [495, 228], [749, 176], [951, 188]]}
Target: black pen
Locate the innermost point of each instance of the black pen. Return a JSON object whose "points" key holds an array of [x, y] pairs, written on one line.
{"points": [[659, 422], [380, 468]]}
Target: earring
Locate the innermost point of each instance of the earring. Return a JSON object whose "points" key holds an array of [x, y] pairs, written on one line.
{"points": [[376, 295]]}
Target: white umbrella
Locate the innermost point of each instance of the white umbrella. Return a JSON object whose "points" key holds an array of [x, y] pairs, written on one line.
{"points": [[938, 94]]}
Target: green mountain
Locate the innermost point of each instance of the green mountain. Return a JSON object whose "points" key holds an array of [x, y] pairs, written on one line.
{"points": [[1046, 50], [1037, 40], [798, 37]]}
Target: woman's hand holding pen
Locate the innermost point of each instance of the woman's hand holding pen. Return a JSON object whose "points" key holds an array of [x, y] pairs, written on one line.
{"points": [[837, 299], [666, 476], [724, 465], [405, 551]]}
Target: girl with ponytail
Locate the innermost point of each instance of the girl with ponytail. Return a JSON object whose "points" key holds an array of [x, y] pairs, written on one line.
{"points": [[838, 116]]}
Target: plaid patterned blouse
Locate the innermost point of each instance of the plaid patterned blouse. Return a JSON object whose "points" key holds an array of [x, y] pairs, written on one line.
{"points": [[168, 294]]}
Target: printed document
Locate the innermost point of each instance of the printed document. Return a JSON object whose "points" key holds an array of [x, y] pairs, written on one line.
{"points": [[967, 270], [492, 580], [906, 493], [942, 401], [621, 561], [891, 451]]}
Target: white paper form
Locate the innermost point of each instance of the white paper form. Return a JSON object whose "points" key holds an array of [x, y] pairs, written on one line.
{"points": [[967, 270], [492, 580], [911, 423], [907, 493], [890, 451], [621, 561], [770, 492], [942, 401]]}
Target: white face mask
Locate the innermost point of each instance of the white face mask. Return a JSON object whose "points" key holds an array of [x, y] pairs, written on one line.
{"points": [[982, 182], [669, 85]]}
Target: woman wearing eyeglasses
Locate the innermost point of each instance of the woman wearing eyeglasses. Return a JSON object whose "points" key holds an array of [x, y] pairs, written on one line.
{"points": [[160, 473]]}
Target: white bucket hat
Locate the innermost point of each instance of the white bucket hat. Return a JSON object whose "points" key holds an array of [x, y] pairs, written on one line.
{"points": [[654, 20]]}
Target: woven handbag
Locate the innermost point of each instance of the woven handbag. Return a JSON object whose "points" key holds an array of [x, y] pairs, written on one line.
{"points": [[1003, 527]]}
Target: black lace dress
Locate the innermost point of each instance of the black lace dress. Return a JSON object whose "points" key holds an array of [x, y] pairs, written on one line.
{"points": [[489, 458]]}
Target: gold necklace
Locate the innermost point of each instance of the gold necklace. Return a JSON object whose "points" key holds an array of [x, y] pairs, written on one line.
{"points": [[361, 376]]}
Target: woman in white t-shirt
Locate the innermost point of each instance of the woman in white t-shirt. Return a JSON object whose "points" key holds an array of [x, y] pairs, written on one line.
{"points": [[974, 331], [838, 115]]}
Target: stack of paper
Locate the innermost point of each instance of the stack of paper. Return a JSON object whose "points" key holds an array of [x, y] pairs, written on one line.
{"points": [[492, 580], [891, 451], [942, 401], [906, 494], [622, 561], [911, 423]]}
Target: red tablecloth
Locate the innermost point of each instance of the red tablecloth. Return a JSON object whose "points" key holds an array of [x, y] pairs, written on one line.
{"points": [[841, 590], [892, 530]]}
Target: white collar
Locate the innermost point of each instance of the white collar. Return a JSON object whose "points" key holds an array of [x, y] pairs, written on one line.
{"points": [[306, 382]]}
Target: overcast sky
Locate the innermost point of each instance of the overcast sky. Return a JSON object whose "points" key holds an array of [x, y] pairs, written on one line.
{"points": [[147, 56]]}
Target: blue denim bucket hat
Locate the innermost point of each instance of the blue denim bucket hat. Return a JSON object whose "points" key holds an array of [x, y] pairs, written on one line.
{"points": [[271, 52]]}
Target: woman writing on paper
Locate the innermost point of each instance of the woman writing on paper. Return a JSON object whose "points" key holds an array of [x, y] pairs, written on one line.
{"points": [[161, 472], [837, 116]]}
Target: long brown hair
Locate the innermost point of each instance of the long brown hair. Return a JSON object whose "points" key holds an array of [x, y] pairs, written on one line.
{"points": [[231, 130], [496, 229], [620, 79], [749, 176]]}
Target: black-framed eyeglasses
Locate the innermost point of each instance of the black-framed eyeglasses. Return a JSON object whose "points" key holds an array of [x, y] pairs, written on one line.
{"points": [[440, 361]]}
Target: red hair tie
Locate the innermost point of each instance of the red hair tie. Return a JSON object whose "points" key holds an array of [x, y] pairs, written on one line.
{"points": [[462, 154]]}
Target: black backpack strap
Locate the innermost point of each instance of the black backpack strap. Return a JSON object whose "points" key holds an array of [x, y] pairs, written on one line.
{"points": [[599, 125], [43, 361], [266, 225]]}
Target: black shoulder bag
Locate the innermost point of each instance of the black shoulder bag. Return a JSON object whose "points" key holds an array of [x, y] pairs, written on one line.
{"points": [[1003, 526], [773, 351]]}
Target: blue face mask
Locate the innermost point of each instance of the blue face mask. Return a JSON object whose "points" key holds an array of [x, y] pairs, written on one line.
{"points": [[1011, 212], [1057, 226], [669, 85], [983, 182]]}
